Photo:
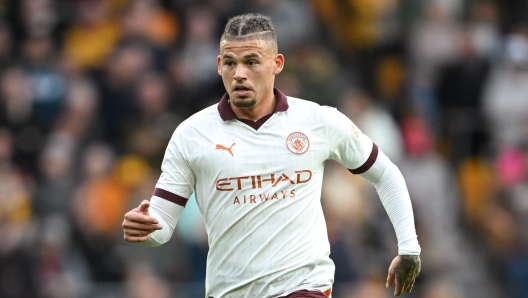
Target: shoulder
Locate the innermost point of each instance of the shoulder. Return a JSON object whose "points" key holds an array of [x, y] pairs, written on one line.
{"points": [[203, 119], [196, 126], [330, 117], [310, 108], [302, 104]]}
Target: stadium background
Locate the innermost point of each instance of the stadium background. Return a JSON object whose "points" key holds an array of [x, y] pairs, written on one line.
{"points": [[91, 90]]}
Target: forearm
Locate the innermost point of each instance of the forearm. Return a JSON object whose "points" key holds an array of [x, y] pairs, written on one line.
{"points": [[392, 190], [168, 214]]}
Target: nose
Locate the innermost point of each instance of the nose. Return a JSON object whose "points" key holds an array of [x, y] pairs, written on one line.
{"points": [[240, 73]]}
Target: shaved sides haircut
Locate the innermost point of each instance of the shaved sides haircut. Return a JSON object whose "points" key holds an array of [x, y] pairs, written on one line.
{"points": [[249, 26]]}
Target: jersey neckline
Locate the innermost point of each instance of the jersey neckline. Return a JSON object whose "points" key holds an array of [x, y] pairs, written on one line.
{"points": [[227, 114]]}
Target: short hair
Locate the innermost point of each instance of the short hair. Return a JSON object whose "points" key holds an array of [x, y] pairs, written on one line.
{"points": [[249, 26]]}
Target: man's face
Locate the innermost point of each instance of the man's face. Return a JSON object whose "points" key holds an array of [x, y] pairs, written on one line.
{"points": [[248, 70]]}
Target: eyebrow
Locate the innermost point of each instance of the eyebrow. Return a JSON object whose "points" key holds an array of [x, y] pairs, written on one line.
{"points": [[252, 55], [248, 56]]}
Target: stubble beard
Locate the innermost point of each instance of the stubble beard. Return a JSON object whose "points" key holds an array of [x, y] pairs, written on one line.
{"points": [[244, 103]]}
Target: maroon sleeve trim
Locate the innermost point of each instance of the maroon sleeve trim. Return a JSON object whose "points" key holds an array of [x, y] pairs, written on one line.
{"points": [[370, 161], [169, 196]]}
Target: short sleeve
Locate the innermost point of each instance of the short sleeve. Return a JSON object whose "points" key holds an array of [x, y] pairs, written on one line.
{"points": [[176, 176], [347, 144]]}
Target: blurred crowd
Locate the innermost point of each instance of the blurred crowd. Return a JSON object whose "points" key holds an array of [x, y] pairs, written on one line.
{"points": [[91, 91]]}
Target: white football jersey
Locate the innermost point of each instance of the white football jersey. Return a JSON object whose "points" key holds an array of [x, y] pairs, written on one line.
{"points": [[258, 187]]}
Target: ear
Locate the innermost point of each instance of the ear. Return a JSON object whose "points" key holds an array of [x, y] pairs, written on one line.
{"points": [[219, 63], [279, 64]]}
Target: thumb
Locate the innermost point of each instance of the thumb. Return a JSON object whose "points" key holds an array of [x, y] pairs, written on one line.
{"points": [[143, 207], [391, 277]]}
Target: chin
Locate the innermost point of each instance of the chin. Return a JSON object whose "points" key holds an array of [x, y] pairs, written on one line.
{"points": [[244, 103]]}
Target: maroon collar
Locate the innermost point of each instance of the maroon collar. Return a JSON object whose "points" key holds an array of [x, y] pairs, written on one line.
{"points": [[227, 113]]}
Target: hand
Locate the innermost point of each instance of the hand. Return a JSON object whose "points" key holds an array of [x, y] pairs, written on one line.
{"points": [[403, 270], [138, 224]]}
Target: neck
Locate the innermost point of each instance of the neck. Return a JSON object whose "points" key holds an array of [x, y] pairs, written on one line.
{"points": [[261, 109]]}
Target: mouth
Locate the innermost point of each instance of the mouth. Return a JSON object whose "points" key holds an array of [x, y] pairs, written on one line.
{"points": [[241, 89]]}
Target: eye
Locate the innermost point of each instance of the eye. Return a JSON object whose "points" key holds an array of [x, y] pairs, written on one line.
{"points": [[252, 62], [229, 63]]}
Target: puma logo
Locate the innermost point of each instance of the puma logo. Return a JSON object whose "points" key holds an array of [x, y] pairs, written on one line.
{"points": [[222, 147]]}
